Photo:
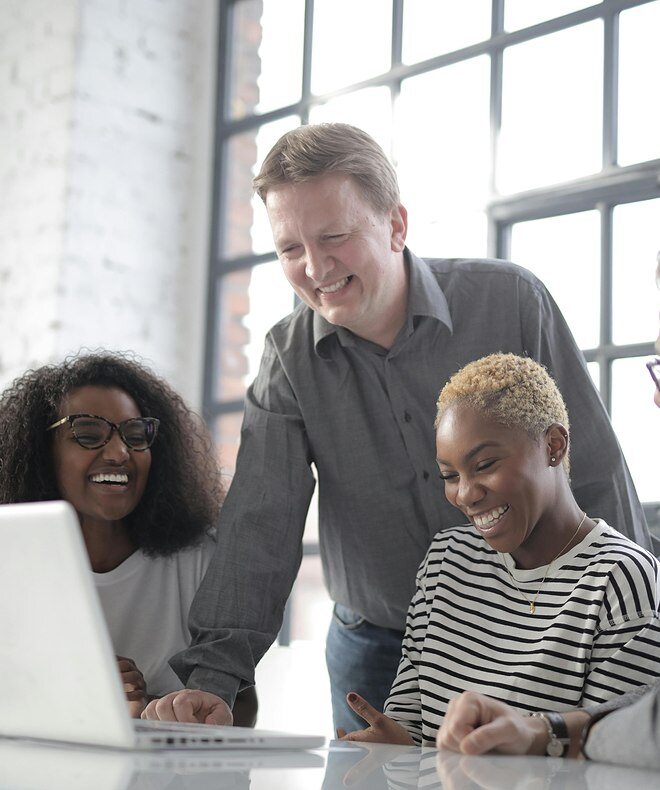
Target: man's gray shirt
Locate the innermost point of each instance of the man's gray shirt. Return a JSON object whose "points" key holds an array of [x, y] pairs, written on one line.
{"points": [[363, 415]]}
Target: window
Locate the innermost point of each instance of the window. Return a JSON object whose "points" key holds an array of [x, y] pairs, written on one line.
{"points": [[522, 130]]}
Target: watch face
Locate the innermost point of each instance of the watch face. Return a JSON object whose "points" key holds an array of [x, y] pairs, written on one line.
{"points": [[555, 748]]}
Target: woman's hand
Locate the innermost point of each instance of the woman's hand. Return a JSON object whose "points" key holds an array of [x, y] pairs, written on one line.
{"points": [[134, 686], [381, 728], [476, 724]]}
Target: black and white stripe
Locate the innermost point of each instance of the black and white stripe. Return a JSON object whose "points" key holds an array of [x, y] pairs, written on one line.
{"points": [[595, 633]]}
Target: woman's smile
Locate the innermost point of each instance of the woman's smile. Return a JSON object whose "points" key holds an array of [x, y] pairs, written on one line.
{"points": [[491, 521]]}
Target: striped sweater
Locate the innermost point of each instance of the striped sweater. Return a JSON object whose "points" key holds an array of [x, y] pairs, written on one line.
{"points": [[595, 633]]}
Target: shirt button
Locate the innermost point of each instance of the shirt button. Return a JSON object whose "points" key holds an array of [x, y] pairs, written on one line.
{"points": [[406, 416], [425, 475]]}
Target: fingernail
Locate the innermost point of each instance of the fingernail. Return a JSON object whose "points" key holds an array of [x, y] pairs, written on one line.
{"points": [[352, 697]]}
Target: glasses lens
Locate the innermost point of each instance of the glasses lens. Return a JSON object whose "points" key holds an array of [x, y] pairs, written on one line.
{"points": [[140, 432], [90, 432]]}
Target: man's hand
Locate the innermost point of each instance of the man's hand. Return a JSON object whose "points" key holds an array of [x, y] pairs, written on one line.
{"points": [[191, 705], [476, 724], [381, 728], [134, 686]]}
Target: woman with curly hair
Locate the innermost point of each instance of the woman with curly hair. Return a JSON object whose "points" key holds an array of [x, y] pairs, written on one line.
{"points": [[106, 434], [533, 602]]}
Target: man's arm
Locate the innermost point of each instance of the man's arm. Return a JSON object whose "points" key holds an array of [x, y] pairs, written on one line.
{"points": [[237, 611], [600, 477]]}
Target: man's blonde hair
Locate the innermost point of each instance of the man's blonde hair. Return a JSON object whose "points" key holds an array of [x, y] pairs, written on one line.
{"points": [[516, 392], [317, 149]]}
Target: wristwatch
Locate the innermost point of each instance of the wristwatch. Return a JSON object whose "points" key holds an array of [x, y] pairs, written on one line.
{"points": [[559, 740]]}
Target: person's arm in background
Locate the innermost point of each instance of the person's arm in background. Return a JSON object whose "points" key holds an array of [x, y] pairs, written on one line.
{"points": [[238, 609], [628, 733], [600, 478]]}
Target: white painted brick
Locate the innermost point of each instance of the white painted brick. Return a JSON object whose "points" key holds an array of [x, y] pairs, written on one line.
{"points": [[105, 154]]}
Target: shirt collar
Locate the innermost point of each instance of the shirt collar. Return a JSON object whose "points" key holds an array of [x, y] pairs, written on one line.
{"points": [[425, 298]]}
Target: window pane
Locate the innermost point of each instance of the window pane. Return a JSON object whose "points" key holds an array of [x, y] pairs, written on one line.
{"points": [[264, 74], [352, 41], [594, 372], [565, 253], [444, 167], [251, 301], [636, 244], [551, 109], [227, 437], [245, 227], [369, 109], [523, 13], [432, 27], [639, 77], [636, 421]]}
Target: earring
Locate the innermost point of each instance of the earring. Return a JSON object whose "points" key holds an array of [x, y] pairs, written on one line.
{"points": [[553, 459]]}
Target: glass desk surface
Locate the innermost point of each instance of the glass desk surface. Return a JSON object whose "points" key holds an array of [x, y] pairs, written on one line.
{"points": [[37, 766]]}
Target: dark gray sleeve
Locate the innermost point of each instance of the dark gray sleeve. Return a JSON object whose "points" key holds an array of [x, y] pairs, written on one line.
{"points": [[600, 478], [237, 611], [629, 735]]}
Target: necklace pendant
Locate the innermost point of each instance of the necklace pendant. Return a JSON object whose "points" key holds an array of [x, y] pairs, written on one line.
{"points": [[532, 607]]}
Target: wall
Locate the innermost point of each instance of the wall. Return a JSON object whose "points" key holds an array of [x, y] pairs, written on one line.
{"points": [[105, 181]]}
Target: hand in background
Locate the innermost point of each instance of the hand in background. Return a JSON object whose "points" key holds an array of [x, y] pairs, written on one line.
{"points": [[381, 728], [191, 705], [135, 687]]}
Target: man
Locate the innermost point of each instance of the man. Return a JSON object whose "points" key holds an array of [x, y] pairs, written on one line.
{"points": [[625, 730], [348, 382]]}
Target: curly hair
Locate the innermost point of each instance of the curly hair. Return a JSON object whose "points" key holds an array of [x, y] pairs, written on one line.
{"points": [[183, 494], [516, 392]]}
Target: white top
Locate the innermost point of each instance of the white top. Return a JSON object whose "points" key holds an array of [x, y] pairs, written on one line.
{"points": [[595, 633], [146, 602]]}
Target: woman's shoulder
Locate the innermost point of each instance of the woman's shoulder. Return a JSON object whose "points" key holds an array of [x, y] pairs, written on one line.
{"points": [[610, 547], [629, 574]]}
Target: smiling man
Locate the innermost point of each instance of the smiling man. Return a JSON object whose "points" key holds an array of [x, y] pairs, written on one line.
{"points": [[348, 383]]}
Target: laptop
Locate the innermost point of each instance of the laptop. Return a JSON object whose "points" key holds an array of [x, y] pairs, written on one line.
{"points": [[60, 677]]}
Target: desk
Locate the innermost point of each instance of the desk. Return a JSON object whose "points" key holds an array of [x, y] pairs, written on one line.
{"points": [[33, 766]]}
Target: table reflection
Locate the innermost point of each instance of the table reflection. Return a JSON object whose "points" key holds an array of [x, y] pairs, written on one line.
{"points": [[40, 766]]}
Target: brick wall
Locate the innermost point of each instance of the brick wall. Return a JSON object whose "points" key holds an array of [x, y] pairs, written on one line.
{"points": [[105, 170]]}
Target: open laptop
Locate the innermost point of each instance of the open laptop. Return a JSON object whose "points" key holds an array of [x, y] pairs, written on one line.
{"points": [[60, 677]]}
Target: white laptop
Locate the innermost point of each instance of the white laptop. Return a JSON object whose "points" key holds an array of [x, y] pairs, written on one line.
{"points": [[59, 674]]}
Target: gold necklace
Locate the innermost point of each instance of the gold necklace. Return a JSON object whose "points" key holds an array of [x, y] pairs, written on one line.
{"points": [[532, 602]]}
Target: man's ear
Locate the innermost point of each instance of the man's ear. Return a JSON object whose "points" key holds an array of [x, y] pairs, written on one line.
{"points": [[556, 441], [399, 225]]}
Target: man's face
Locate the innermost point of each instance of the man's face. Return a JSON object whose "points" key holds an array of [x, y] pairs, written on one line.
{"points": [[341, 256]]}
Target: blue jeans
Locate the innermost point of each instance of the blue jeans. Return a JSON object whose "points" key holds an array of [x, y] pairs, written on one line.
{"points": [[361, 657]]}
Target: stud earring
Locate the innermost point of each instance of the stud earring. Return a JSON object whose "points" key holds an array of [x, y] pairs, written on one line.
{"points": [[553, 459]]}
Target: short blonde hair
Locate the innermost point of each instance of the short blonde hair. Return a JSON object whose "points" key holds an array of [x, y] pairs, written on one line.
{"points": [[318, 149], [516, 392]]}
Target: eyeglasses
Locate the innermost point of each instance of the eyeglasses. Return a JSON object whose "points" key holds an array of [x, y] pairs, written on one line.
{"points": [[654, 369], [92, 432]]}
